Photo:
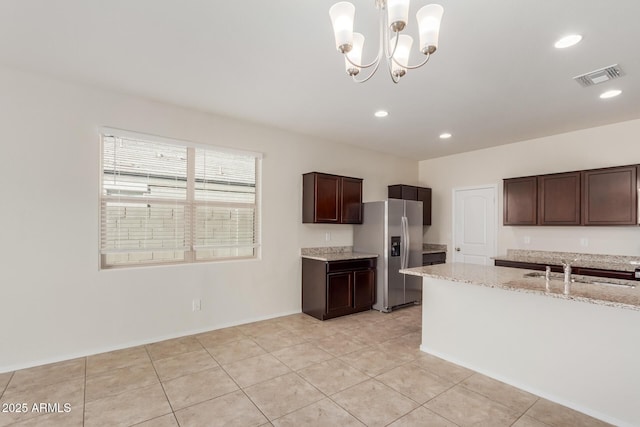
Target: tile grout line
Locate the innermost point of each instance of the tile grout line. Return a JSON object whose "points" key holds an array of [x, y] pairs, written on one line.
{"points": [[442, 416], [283, 415], [161, 386], [495, 401], [7, 385], [531, 416], [84, 394], [342, 407], [239, 389]]}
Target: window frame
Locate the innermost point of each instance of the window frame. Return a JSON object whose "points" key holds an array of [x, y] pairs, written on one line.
{"points": [[190, 203]]}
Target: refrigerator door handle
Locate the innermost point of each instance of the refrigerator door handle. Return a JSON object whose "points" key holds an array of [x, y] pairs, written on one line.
{"points": [[407, 243], [404, 261]]}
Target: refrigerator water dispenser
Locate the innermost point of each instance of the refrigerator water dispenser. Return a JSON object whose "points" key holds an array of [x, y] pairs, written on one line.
{"points": [[395, 245]]}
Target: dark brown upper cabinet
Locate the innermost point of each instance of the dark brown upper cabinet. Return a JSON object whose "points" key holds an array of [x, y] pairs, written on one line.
{"points": [[424, 195], [607, 196], [411, 192], [610, 196], [559, 199], [331, 199], [351, 207], [402, 191], [520, 201]]}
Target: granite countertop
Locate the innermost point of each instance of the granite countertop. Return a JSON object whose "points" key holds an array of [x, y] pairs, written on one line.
{"points": [[334, 253], [340, 256], [603, 262], [513, 279]]}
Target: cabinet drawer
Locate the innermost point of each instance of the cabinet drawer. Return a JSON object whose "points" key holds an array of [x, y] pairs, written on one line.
{"points": [[350, 265]]}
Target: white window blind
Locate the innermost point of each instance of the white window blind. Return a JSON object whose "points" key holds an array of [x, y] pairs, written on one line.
{"points": [[170, 203]]}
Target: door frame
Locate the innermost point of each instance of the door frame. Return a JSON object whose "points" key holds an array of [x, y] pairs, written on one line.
{"points": [[494, 188]]}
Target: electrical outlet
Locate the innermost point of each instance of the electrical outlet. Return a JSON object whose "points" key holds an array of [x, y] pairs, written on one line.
{"points": [[584, 241], [196, 305], [527, 240], [327, 236]]}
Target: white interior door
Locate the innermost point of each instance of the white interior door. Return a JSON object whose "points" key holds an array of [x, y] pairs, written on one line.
{"points": [[474, 225]]}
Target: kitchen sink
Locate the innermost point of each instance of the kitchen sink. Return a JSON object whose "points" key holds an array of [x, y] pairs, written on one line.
{"points": [[583, 279]]}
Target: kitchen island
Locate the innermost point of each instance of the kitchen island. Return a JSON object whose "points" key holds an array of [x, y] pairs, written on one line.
{"points": [[581, 350]]}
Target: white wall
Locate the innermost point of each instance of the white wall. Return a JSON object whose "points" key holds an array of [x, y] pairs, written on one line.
{"points": [[56, 304], [604, 146]]}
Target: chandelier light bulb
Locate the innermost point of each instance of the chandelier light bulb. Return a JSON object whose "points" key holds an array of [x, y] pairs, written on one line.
{"points": [[429, 18], [342, 14], [354, 55], [401, 55], [398, 14]]}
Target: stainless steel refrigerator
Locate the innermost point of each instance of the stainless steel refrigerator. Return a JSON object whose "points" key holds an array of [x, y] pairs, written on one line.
{"points": [[393, 230]]}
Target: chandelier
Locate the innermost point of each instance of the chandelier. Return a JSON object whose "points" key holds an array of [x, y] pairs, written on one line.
{"points": [[394, 47]]}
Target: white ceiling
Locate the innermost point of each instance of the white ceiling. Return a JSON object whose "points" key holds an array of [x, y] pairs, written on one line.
{"points": [[495, 79]]}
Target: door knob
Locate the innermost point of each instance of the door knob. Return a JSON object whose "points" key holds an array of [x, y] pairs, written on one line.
{"points": [[457, 249]]}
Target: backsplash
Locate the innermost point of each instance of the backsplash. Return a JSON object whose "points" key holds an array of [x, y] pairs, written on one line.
{"points": [[326, 250], [434, 247]]}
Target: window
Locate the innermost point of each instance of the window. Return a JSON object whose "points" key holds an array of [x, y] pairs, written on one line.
{"points": [[163, 201]]}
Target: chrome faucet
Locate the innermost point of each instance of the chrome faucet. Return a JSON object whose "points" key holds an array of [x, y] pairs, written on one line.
{"points": [[547, 278], [567, 276]]}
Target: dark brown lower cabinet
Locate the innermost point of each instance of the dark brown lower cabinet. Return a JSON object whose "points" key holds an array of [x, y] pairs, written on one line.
{"points": [[336, 288], [434, 258]]}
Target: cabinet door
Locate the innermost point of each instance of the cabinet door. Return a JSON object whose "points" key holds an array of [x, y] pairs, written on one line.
{"points": [[327, 198], [402, 191], [436, 258], [351, 208], [424, 195], [409, 192], [520, 205], [559, 199], [339, 292], [364, 288], [610, 196]]}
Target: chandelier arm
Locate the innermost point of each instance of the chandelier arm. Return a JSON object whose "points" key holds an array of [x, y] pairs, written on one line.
{"points": [[412, 67], [374, 62], [394, 78], [369, 76], [384, 45], [395, 46]]}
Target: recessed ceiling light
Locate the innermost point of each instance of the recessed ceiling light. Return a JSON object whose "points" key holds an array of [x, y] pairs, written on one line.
{"points": [[610, 93], [381, 113], [568, 41], [445, 135]]}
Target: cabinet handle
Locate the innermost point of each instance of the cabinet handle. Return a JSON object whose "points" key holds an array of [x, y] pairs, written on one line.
{"points": [[457, 249]]}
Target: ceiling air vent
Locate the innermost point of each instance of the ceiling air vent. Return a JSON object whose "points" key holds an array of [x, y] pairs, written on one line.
{"points": [[599, 76]]}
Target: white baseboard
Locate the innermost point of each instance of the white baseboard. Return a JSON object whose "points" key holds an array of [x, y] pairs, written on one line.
{"points": [[121, 346]]}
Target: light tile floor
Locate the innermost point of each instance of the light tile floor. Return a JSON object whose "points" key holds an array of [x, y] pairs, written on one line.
{"points": [[364, 369]]}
